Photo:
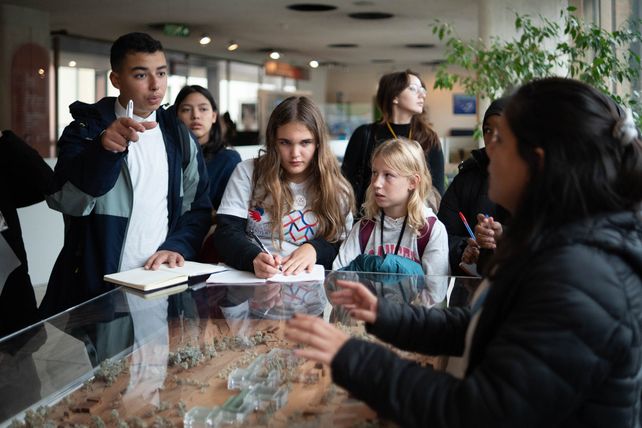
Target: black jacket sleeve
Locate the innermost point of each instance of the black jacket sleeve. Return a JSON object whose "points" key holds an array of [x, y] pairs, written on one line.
{"points": [[435, 160], [30, 176], [231, 243], [451, 205], [430, 331], [356, 163], [326, 251]]}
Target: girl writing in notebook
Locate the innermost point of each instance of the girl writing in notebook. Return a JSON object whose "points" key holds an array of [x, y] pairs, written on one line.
{"points": [[292, 197], [396, 219]]}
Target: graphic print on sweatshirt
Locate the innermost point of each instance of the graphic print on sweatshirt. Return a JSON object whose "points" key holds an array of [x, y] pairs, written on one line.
{"points": [[299, 226], [406, 252]]}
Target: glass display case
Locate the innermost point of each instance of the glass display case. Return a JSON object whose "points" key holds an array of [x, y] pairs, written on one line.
{"points": [[200, 355]]}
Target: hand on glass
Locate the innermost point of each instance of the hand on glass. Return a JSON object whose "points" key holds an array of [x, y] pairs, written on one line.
{"points": [[471, 252], [487, 231], [303, 258], [321, 339], [357, 299]]}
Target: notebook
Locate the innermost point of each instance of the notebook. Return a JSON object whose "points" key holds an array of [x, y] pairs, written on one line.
{"points": [[155, 294], [147, 280], [238, 277]]}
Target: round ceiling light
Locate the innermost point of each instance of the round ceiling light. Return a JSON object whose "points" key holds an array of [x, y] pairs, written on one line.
{"points": [[311, 7], [371, 15], [343, 45], [420, 45]]}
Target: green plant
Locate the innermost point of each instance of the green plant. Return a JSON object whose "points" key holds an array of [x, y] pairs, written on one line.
{"points": [[569, 47]]}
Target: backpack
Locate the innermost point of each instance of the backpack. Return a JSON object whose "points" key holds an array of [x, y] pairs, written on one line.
{"points": [[367, 226]]}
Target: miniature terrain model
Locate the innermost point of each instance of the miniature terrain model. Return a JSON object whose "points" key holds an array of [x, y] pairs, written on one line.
{"points": [[222, 380]]}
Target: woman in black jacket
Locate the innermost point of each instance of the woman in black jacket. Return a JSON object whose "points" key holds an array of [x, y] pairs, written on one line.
{"points": [[400, 97], [554, 335]]}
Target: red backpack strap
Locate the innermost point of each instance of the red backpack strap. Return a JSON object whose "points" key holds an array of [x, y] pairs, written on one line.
{"points": [[424, 235], [365, 230]]}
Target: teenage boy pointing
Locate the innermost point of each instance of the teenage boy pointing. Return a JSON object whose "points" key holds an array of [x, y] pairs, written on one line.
{"points": [[133, 189]]}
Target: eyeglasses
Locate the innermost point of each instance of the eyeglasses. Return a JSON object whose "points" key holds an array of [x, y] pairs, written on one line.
{"points": [[417, 89]]}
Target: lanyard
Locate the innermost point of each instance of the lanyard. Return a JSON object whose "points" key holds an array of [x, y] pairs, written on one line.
{"points": [[403, 229], [395, 135]]}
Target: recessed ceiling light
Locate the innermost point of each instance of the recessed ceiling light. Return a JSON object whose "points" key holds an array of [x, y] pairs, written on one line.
{"points": [[343, 45], [275, 55], [311, 7], [381, 61], [419, 45], [72, 63], [370, 15], [205, 39], [434, 62], [232, 46], [313, 64]]}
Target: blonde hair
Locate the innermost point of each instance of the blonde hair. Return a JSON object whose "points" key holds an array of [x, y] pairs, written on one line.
{"points": [[329, 195], [406, 157]]}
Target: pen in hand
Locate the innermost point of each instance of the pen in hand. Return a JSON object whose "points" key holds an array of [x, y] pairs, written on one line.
{"points": [[130, 113], [264, 248], [470, 232]]}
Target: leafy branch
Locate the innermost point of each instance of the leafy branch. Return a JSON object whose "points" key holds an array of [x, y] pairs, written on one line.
{"points": [[569, 47]]}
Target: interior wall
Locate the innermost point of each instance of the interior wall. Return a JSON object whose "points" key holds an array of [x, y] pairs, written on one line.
{"points": [[359, 85]]}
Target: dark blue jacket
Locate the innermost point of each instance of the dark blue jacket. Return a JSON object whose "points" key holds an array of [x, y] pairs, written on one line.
{"points": [[93, 190]]}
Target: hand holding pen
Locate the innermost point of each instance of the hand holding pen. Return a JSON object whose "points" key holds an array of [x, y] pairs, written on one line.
{"points": [[122, 131], [471, 252], [487, 231], [265, 264]]}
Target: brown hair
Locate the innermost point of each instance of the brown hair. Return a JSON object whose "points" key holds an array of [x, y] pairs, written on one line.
{"points": [[329, 194], [390, 86]]}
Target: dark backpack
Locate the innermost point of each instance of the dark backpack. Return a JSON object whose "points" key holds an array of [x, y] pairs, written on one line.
{"points": [[367, 226]]}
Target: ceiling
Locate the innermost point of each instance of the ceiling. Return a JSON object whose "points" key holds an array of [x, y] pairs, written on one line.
{"points": [[263, 24]]}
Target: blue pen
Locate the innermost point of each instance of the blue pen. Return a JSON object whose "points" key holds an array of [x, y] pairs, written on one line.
{"points": [[470, 232]]}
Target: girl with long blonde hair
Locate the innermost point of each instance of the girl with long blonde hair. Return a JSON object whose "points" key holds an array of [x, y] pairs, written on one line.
{"points": [[396, 219], [293, 198]]}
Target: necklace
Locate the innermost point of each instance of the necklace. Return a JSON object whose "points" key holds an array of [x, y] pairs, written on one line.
{"points": [[395, 135], [403, 229]]}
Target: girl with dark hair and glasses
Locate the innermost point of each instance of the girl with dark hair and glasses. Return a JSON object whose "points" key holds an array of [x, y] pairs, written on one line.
{"points": [[197, 109], [400, 97], [554, 334]]}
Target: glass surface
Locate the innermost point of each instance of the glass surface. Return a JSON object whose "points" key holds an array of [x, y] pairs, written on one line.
{"points": [[124, 356]]}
